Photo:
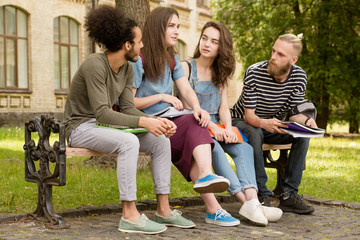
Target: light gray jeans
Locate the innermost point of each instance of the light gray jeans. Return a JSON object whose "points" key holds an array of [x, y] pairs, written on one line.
{"points": [[127, 146]]}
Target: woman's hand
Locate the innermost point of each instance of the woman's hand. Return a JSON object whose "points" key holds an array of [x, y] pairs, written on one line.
{"points": [[202, 117], [218, 133], [230, 136], [174, 101]]}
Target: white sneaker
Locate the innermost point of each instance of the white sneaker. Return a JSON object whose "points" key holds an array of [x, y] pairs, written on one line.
{"points": [[254, 212], [272, 213]]}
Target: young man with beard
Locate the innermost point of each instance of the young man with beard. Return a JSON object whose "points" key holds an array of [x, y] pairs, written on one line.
{"points": [[101, 80], [271, 89]]}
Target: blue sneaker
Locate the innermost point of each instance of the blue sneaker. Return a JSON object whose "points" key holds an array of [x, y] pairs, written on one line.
{"points": [[211, 184], [221, 218]]}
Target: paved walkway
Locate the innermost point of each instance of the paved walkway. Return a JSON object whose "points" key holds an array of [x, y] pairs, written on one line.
{"points": [[331, 220]]}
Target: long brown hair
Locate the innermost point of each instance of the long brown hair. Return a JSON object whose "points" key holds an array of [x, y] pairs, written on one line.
{"points": [[155, 51], [223, 66]]}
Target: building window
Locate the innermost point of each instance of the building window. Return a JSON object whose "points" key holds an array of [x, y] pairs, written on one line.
{"points": [[181, 51], [203, 3], [13, 49], [66, 51]]}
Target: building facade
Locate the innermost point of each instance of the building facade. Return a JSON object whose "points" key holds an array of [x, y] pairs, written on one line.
{"points": [[42, 44]]}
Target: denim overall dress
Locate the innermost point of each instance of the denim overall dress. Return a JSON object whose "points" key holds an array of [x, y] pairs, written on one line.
{"points": [[207, 93], [242, 154]]}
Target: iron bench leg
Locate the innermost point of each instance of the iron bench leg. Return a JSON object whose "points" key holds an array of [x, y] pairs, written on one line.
{"points": [[279, 164], [47, 156]]}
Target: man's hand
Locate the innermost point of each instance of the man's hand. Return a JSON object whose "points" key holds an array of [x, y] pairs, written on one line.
{"points": [[171, 127], [300, 118], [155, 126], [272, 125], [202, 117], [311, 123]]}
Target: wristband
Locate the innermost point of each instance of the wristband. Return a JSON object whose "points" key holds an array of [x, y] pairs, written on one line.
{"points": [[307, 120]]}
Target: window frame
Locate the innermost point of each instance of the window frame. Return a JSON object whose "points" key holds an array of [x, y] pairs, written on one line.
{"points": [[182, 45], [60, 44], [5, 37]]}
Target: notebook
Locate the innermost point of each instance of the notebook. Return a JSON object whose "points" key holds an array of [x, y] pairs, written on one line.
{"points": [[122, 127], [240, 136]]}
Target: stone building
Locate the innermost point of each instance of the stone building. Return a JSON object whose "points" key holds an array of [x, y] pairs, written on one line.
{"points": [[42, 43]]}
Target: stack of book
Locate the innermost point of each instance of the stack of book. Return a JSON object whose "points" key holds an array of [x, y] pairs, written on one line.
{"points": [[299, 130]]}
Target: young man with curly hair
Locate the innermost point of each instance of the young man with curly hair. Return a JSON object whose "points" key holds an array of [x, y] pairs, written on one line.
{"points": [[101, 80]]}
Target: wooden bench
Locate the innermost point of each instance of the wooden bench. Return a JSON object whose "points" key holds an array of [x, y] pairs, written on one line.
{"points": [[84, 152], [51, 170]]}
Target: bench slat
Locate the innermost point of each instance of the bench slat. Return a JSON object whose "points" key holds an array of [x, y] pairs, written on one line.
{"points": [[84, 152], [266, 147]]}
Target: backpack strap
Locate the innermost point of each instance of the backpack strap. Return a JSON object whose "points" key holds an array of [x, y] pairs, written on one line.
{"points": [[189, 65], [173, 64], [142, 60]]}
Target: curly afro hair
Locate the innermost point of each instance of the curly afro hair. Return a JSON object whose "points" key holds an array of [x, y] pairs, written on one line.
{"points": [[109, 27]]}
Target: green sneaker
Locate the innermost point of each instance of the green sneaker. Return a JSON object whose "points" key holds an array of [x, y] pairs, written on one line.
{"points": [[143, 225], [175, 219]]}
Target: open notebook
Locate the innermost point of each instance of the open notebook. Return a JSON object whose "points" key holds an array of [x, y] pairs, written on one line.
{"points": [[171, 112], [299, 130]]}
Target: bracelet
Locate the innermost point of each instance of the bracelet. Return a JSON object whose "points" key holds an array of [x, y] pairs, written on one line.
{"points": [[307, 120]]}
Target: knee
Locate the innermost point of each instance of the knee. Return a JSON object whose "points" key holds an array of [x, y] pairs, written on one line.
{"points": [[248, 149], [303, 142], [217, 150], [160, 144], [131, 143], [255, 132], [255, 136]]}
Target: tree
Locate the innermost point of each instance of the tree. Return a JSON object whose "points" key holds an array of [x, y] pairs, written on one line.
{"points": [[137, 10], [331, 46]]}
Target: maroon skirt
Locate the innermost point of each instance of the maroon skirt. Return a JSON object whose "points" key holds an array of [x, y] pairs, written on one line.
{"points": [[189, 135]]}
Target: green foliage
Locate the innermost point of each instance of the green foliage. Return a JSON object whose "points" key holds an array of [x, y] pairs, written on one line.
{"points": [[331, 46]]}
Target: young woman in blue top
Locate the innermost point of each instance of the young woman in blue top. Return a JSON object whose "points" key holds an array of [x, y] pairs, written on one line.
{"points": [[212, 66], [191, 144]]}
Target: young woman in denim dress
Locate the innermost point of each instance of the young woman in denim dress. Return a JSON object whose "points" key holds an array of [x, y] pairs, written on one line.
{"points": [[211, 68]]}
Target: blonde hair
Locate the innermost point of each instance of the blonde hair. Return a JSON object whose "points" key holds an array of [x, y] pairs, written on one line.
{"points": [[294, 40]]}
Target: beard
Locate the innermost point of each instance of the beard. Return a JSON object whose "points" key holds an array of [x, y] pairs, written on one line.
{"points": [[275, 70], [131, 55]]}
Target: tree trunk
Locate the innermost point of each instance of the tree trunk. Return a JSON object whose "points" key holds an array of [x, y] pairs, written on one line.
{"points": [[137, 10], [323, 111], [354, 125]]}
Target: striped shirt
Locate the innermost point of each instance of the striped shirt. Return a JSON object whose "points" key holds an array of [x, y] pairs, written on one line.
{"points": [[269, 98]]}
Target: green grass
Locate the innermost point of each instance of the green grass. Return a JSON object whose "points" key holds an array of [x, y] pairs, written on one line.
{"points": [[332, 171]]}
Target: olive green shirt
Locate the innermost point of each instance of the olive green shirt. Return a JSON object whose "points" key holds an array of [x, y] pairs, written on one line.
{"points": [[95, 88]]}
